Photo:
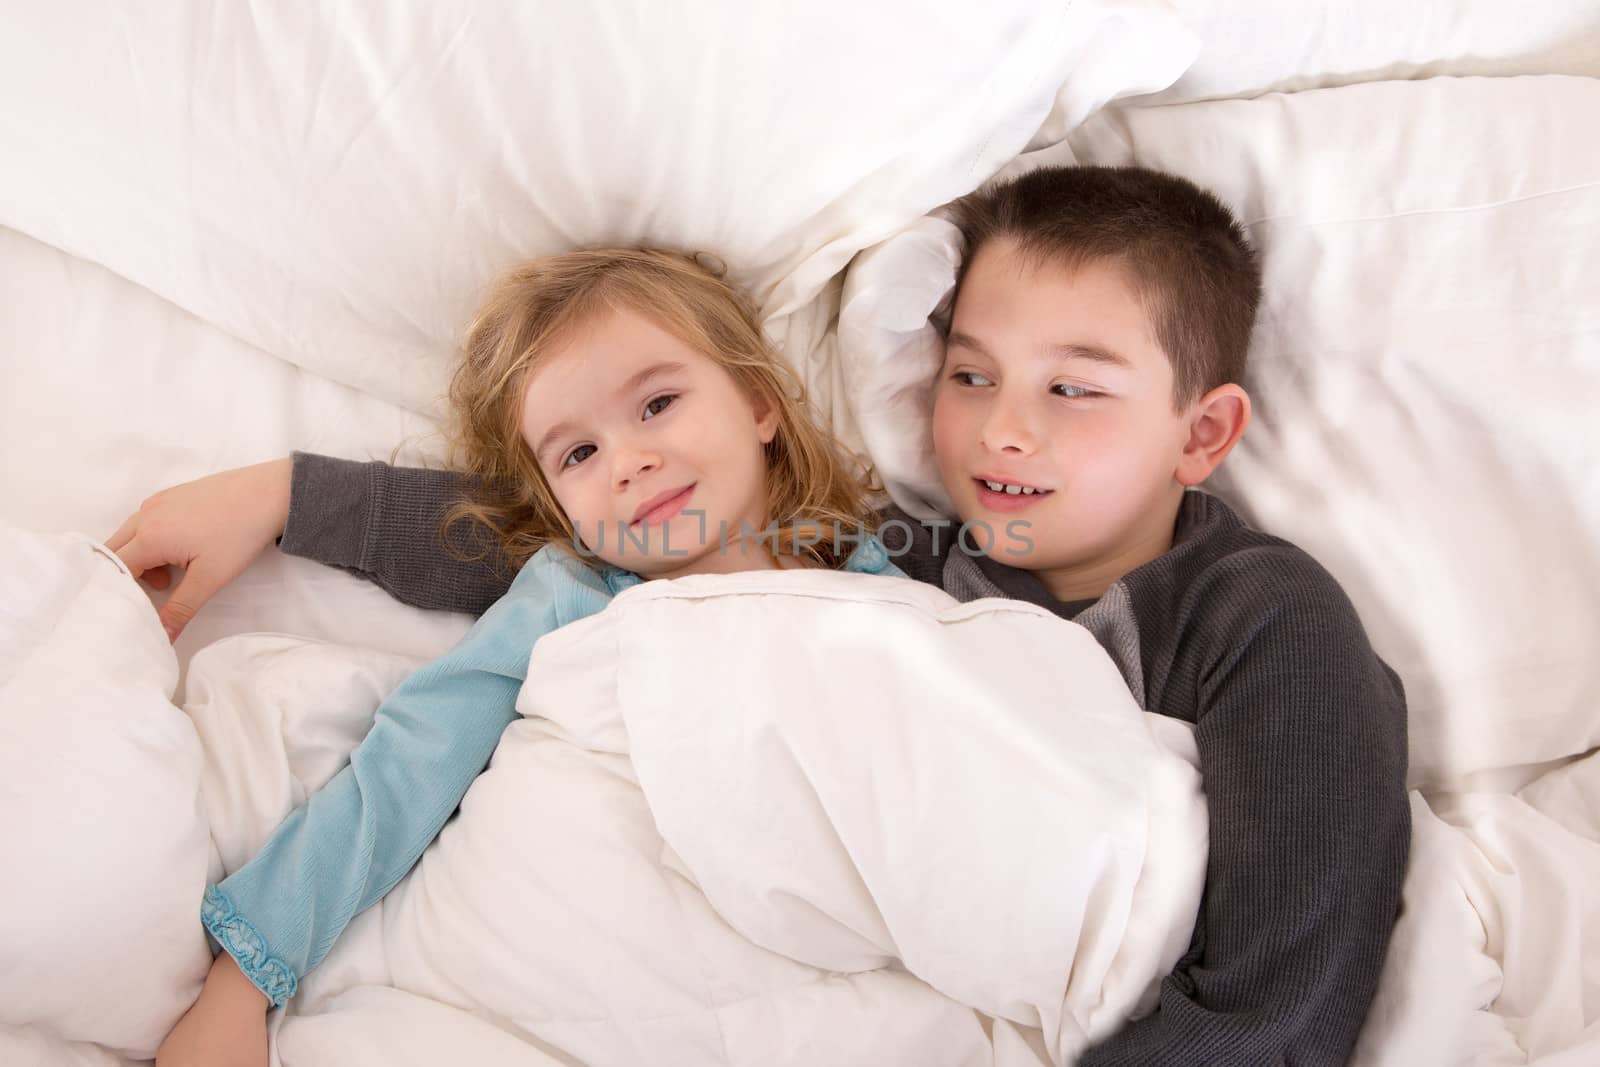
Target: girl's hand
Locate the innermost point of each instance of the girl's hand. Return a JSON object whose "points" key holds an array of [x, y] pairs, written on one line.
{"points": [[226, 1026], [214, 528]]}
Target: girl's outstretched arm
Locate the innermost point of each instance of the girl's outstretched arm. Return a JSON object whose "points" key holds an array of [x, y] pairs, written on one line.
{"points": [[352, 840]]}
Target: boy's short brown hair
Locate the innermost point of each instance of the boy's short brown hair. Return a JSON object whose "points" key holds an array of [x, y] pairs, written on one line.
{"points": [[1183, 250]]}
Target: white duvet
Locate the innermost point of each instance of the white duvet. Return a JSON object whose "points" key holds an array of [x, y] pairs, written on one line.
{"points": [[802, 818]]}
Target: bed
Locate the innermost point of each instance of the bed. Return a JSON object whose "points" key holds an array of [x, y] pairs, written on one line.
{"points": [[227, 232]]}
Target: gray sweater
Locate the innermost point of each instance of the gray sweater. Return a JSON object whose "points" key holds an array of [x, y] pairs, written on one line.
{"points": [[1300, 727]]}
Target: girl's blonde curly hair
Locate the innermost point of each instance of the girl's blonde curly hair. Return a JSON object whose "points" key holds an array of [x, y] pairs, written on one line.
{"points": [[813, 486]]}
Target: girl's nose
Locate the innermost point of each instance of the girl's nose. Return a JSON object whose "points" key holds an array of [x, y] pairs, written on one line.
{"points": [[630, 464]]}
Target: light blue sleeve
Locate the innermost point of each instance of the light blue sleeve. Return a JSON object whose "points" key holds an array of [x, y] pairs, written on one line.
{"points": [[339, 852], [871, 557]]}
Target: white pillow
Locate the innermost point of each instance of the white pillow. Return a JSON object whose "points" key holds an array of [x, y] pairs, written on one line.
{"points": [[1253, 47], [103, 843], [179, 400], [1426, 371], [336, 184]]}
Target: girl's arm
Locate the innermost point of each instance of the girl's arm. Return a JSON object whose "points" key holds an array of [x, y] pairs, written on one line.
{"points": [[348, 844], [226, 1027], [352, 840]]}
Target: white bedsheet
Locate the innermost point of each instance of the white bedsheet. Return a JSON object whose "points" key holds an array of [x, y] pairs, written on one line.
{"points": [[110, 391]]}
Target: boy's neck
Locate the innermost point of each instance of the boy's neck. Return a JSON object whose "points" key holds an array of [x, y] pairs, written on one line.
{"points": [[1091, 579]]}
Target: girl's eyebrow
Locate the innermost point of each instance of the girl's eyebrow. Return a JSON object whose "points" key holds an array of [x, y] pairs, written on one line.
{"points": [[552, 435], [635, 381], [655, 370]]}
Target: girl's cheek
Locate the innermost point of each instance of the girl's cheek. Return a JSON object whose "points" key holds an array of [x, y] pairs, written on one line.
{"points": [[573, 507]]}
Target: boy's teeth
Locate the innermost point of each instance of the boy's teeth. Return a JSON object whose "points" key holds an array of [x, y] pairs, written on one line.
{"points": [[1009, 490]]}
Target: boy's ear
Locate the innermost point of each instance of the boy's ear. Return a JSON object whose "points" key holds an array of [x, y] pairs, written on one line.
{"points": [[1216, 422]]}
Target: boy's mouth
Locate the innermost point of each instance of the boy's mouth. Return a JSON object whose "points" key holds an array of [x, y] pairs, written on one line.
{"points": [[1008, 496]]}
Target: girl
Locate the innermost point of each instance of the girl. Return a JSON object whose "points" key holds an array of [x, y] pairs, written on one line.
{"points": [[634, 423]]}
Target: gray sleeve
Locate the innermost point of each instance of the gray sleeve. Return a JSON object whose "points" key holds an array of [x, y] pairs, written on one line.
{"points": [[1302, 738], [911, 545], [385, 524]]}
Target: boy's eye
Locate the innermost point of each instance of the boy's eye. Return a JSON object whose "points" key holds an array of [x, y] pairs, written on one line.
{"points": [[578, 455], [968, 377], [1072, 392], [657, 405]]}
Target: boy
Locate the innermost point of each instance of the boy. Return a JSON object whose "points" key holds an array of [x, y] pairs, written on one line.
{"points": [[1099, 332], [1097, 339]]}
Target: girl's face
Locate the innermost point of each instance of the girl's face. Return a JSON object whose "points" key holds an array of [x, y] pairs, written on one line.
{"points": [[651, 449]]}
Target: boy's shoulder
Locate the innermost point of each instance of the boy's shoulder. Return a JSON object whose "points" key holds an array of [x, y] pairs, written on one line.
{"points": [[1227, 596], [1214, 547], [1222, 574]]}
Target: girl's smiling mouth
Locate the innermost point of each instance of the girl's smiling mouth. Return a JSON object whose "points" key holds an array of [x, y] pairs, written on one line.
{"points": [[663, 506]]}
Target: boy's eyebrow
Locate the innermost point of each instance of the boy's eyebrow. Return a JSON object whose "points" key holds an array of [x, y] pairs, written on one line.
{"points": [[635, 381], [966, 340], [1094, 353]]}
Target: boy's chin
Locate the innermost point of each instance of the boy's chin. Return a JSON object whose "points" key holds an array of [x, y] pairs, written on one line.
{"points": [[1009, 539]]}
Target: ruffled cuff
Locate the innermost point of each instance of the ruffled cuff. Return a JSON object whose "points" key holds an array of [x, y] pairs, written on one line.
{"points": [[241, 940]]}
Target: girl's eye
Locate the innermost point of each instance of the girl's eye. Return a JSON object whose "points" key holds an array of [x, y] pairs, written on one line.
{"points": [[578, 455], [968, 377], [657, 405], [1072, 392]]}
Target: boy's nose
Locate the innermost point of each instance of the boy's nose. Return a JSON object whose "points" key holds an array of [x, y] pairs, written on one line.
{"points": [[1007, 430]]}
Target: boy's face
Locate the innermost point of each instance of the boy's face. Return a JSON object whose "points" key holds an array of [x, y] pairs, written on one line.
{"points": [[1053, 380]]}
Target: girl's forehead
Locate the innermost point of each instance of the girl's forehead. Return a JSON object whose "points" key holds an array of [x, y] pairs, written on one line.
{"points": [[595, 374], [601, 367], [616, 342]]}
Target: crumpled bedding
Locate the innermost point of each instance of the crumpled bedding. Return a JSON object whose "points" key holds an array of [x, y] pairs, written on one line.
{"points": [[861, 830]]}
